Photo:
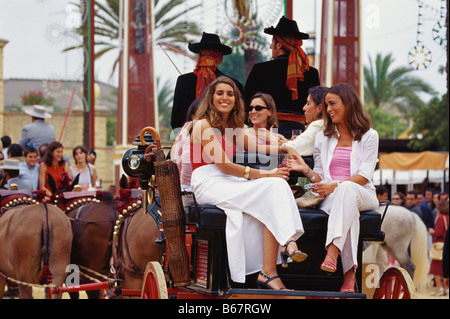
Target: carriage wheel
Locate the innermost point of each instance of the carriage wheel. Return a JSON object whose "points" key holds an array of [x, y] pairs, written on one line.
{"points": [[395, 283], [154, 285]]}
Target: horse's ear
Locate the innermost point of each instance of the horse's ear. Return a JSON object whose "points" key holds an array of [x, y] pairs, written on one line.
{"points": [[75, 181], [123, 182], [52, 184]]}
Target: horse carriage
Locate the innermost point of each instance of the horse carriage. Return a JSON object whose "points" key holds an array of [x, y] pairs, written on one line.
{"points": [[191, 245], [164, 250]]}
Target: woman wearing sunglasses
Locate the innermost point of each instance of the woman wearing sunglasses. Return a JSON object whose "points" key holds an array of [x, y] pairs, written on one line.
{"points": [[261, 211], [262, 118]]}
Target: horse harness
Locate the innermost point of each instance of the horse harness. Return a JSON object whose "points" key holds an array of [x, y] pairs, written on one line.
{"points": [[11, 199], [127, 210]]}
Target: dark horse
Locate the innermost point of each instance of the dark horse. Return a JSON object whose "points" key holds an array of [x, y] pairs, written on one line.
{"points": [[92, 227], [136, 239]]}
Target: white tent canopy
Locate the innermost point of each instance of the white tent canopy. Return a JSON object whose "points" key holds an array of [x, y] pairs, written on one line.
{"points": [[386, 176], [412, 168]]}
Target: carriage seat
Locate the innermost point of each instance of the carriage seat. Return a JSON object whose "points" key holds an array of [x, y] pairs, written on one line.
{"points": [[211, 218]]}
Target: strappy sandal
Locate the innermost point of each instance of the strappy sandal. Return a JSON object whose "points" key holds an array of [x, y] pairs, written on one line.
{"points": [[296, 256], [265, 284], [349, 286], [329, 265]]}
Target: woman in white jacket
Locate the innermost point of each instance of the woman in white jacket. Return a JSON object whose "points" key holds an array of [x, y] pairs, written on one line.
{"points": [[345, 156]]}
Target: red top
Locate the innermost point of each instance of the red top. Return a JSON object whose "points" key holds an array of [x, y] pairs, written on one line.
{"points": [[56, 172], [199, 161]]}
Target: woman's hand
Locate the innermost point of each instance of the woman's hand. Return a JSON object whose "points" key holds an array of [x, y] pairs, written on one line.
{"points": [[282, 140], [323, 189], [296, 163], [282, 172]]}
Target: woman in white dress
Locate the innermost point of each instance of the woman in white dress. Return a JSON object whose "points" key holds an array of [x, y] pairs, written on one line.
{"points": [[345, 156], [86, 171], [261, 211]]}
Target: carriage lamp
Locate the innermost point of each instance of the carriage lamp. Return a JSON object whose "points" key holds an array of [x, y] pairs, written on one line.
{"points": [[133, 162]]}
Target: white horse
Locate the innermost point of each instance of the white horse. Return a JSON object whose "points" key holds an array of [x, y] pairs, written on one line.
{"points": [[406, 239]]}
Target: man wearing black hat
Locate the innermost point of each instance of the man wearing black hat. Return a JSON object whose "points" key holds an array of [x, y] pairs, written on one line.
{"points": [[287, 77], [191, 86]]}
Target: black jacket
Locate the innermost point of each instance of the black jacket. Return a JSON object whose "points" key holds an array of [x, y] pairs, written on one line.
{"points": [[184, 95], [270, 77]]}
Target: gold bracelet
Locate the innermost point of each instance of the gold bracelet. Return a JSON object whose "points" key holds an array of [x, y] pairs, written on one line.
{"points": [[247, 172]]}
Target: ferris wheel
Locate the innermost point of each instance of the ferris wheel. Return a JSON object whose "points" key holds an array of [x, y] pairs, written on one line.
{"points": [[243, 32]]}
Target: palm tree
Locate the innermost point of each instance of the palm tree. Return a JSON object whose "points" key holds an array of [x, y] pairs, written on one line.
{"points": [[389, 89], [170, 26]]}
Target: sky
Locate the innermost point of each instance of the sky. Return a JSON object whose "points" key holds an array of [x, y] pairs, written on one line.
{"points": [[38, 31]]}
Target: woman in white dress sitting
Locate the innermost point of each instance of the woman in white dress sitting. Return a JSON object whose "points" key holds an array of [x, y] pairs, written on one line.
{"points": [[86, 171], [261, 211]]}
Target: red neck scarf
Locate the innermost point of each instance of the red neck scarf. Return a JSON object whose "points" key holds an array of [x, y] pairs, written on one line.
{"points": [[204, 70], [298, 63]]}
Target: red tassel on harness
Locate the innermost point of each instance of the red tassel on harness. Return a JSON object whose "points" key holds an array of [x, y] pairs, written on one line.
{"points": [[46, 276]]}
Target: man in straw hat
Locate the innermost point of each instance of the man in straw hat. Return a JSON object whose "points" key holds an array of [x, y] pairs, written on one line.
{"points": [[191, 86], [287, 78], [11, 170], [38, 132]]}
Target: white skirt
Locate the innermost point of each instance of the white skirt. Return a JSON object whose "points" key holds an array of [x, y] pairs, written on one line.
{"points": [[249, 205]]}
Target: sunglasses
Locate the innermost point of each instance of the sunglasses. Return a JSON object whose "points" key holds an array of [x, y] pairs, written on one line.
{"points": [[257, 108]]}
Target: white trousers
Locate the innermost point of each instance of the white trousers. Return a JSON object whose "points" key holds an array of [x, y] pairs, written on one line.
{"points": [[249, 205], [343, 207]]}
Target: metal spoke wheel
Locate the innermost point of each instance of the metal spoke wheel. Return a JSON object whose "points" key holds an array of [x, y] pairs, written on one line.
{"points": [[154, 285], [395, 283]]}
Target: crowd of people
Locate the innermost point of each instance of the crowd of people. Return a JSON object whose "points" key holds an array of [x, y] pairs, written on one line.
{"points": [[28, 163], [432, 207], [216, 116]]}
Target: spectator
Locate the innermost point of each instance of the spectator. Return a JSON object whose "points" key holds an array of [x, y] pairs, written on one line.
{"points": [[382, 193], [428, 202], [11, 176], [399, 199], [42, 149], [411, 203], [30, 168], [6, 142], [54, 165], [439, 236], [15, 150], [91, 157], [445, 266], [38, 132], [86, 171]]}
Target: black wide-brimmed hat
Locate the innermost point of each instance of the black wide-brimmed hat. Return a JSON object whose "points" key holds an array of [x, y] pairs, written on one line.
{"points": [[210, 41], [286, 27]]}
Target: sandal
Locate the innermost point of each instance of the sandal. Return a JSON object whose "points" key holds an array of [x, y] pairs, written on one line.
{"points": [[329, 265], [296, 256], [265, 284], [349, 286]]}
